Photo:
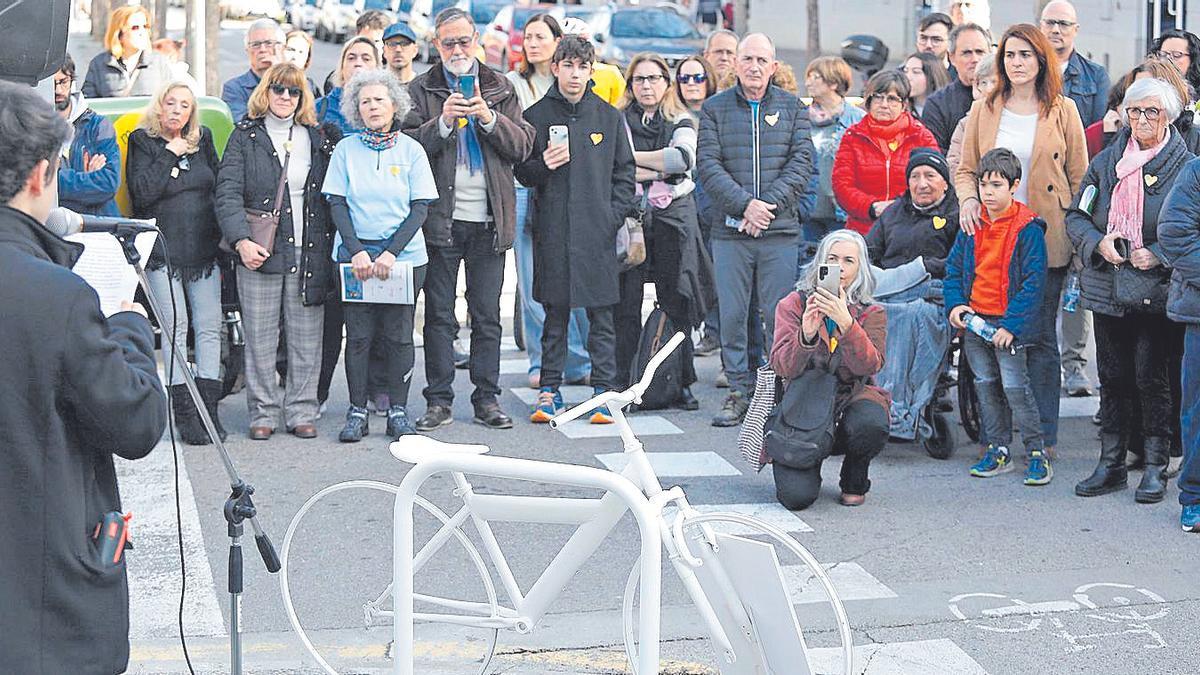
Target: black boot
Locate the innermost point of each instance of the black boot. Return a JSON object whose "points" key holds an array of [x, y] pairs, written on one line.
{"points": [[1110, 474], [1153, 488], [210, 391], [686, 400], [187, 418]]}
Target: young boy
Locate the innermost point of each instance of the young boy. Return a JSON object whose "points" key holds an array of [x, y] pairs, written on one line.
{"points": [[997, 274], [583, 189]]}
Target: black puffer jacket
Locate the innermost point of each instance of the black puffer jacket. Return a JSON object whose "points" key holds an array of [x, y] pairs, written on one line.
{"points": [[249, 177], [903, 232], [1086, 231], [740, 156]]}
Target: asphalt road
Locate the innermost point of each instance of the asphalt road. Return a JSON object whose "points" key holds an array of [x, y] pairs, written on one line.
{"points": [[941, 573]]}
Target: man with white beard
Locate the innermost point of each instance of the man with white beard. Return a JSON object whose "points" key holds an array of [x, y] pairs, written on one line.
{"points": [[472, 140]]}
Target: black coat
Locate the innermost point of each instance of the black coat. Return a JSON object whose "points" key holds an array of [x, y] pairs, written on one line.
{"points": [[249, 177], [77, 389], [1086, 231], [901, 233], [181, 200], [578, 208], [944, 109]]}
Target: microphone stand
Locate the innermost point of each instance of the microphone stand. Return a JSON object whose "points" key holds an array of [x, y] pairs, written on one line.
{"points": [[239, 507]]}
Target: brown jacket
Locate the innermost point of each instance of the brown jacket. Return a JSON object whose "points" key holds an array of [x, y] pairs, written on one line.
{"points": [[509, 142], [1055, 171]]}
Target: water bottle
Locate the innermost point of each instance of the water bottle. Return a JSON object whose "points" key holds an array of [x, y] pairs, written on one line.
{"points": [[980, 327], [1071, 294]]}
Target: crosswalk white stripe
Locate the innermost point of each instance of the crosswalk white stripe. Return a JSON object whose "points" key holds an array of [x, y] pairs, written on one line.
{"points": [[771, 513], [148, 492], [674, 463], [850, 580], [927, 657], [643, 425]]}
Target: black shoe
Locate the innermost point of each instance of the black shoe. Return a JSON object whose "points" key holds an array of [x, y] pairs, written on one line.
{"points": [[398, 424], [1110, 474], [187, 418], [436, 417], [1153, 488], [462, 357], [210, 391], [732, 411], [357, 425], [490, 415], [709, 345], [686, 400]]}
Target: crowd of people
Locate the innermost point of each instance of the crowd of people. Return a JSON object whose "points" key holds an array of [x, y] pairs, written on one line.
{"points": [[997, 185]]}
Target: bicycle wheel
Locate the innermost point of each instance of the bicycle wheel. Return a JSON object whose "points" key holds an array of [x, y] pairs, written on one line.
{"points": [[433, 656], [755, 654]]}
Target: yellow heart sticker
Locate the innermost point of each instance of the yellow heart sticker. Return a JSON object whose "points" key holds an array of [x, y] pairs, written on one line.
{"points": [[771, 119], [395, 169], [892, 145], [938, 222], [596, 138], [462, 122], [1150, 180]]}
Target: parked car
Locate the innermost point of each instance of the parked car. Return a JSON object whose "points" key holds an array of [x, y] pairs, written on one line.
{"points": [[245, 9], [647, 29], [502, 39], [303, 14], [336, 18]]}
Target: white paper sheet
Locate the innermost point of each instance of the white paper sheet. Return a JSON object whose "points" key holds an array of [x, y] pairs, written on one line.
{"points": [[397, 289], [104, 267]]}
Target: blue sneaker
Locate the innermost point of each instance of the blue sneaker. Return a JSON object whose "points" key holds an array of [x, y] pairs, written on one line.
{"points": [[1190, 518], [995, 462], [600, 415], [1039, 471], [549, 404]]}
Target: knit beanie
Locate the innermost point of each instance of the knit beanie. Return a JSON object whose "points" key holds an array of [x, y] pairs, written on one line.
{"points": [[928, 157]]}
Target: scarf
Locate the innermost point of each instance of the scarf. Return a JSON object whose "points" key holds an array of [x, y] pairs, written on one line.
{"points": [[379, 140], [1125, 210], [470, 153], [887, 135], [648, 135]]}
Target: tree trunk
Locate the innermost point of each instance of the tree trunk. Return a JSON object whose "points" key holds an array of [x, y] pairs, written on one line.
{"points": [[159, 11], [190, 51], [212, 47], [814, 29]]}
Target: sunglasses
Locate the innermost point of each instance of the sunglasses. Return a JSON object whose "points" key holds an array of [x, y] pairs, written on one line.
{"points": [[695, 78], [280, 90]]}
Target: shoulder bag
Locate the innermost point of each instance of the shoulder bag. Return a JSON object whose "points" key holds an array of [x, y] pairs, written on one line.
{"points": [[264, 224]]}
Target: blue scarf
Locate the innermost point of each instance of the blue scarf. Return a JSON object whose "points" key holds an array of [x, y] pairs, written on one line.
{"points": [[470, 153]]}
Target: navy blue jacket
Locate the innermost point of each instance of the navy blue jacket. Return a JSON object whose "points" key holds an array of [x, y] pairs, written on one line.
{"points": [[944, 109], [1179, 237], [236, 93], [1026, 278], [90, 191], [771, 156], [1086, 82]]}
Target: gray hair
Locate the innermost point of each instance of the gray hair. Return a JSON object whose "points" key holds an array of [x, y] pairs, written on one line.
{"points": [[1152, 87], [862, 289], [986, 67], [770, 42], [266, 23], [367, 78], [452, 14]]}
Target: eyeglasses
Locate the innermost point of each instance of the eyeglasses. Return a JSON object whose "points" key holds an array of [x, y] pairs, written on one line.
{"points": [[890, 99], [64, 82], [280, 90], [694, 78], [1151, 114], [260, 44], [646, 79], [1061, 24], [1174, 56], [451, 44]]}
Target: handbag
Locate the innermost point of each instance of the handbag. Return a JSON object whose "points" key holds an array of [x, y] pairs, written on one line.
{"points": [[768, 389], [264, 224], [631, 238], [799, 432], [1139, 290]]}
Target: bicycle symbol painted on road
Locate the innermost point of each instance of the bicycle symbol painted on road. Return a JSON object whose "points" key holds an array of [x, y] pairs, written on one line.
{"points": [[1123, 609]]}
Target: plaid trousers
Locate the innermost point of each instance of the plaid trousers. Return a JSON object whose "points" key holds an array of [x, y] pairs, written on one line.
{"points": [[264, 297]]}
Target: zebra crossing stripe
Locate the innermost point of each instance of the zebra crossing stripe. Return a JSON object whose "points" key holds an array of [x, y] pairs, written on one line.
{"points": [[672, 463], [850, 580], [928, 657]]}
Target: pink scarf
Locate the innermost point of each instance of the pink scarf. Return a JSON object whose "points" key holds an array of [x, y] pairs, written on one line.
{"points": [[1125, 209]]}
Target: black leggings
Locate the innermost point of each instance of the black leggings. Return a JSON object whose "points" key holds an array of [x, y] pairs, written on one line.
{"points": [[861, 434], [393, 325]]}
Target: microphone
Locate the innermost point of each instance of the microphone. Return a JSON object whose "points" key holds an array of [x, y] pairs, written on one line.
{"points": [[65, 222]]}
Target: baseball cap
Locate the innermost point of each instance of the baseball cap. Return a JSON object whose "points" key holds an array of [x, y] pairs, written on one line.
{"points": [[399, 29]]}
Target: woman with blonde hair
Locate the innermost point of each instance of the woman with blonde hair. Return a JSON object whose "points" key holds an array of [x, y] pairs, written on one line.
{"points": [[128, 66], [664, 142], [171, 170], [358, 53], [275, 162]]}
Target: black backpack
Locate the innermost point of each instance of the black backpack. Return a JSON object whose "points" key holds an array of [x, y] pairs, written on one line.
{"points": [[799, 431], [666, 387]]}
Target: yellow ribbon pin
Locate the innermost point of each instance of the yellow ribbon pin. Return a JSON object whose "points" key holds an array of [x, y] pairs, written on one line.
{"points": [[892, 145], [1150, 180], [597, 138], [938, 222]]}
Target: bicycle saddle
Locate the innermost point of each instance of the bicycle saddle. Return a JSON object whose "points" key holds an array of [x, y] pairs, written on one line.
{"points": [[415, 448]]}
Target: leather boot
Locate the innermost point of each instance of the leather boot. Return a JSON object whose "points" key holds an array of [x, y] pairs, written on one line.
{"points": [[1153, 488], [210, 391], [187, 418], [1110, 474]]}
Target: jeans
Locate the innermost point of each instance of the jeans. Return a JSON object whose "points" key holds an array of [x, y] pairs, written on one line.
{"points": [[202, 298], [368, 325], [712, 320], [1044, 362], [473, 246], [533, 315], [1133, 355], [601, 344], [1002, 381], [861, 434], [767, 264], [1189, 477]]}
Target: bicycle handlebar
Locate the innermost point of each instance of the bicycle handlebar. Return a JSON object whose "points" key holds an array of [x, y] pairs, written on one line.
{"points": [[631, 395]]}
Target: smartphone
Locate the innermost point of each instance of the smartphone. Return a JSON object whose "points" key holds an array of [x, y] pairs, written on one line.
{"points": [[829, 277], [559, 135], [466, 85]]}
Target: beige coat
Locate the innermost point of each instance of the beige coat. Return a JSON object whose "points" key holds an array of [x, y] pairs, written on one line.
{"points": [[1055, 170]]}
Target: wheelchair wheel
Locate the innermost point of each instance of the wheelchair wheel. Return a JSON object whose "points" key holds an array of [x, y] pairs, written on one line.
{"points": [[968, 399], [940, 445]]}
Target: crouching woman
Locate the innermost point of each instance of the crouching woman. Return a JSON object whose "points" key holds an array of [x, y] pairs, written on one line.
{"points": [[843, 336]]}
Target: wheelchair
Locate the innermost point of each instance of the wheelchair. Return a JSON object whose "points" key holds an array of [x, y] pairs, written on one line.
{"points": [[940, 444]]}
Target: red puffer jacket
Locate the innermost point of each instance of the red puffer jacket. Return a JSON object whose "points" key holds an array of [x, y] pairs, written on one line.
{"points": [[863, 174]]}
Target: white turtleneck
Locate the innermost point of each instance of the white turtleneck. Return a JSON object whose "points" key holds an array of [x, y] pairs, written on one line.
{"points": [[298, 166]]}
